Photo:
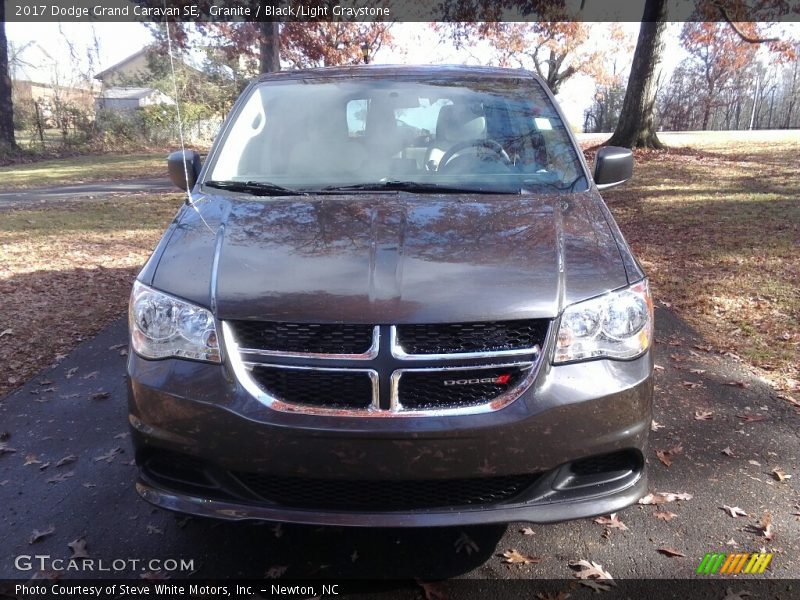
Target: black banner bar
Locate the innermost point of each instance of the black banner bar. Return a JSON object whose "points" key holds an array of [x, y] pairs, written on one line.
{"points": [[706, 588], [189, 11]]}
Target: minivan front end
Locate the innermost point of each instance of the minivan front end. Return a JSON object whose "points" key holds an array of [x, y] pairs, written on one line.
{"points": [[431, 320]]}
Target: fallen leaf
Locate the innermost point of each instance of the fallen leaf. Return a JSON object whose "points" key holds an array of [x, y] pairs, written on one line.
{"points": [[664, 515], [697, 371], [71, 373], [432, 590], [39, 535], [78, 548], [740, 384], [655, 426], [466, 544], [750, 418], [612, 521], [526, 531], [6, 332], [755, 463], [43, 466], [514, 557], [733, 511], [666, 455], [276, 571], [6, 450], [99, 395], [703, 348], [151, 529], [671, 552], [765, 526], [779, 475], [658, 368], [61, 477], [740, 595], [703, 415], [31, 459], [727, 451], [593, 575], [691, 384], [108, 456], [92, 375], [121, 436], [70, 458], [661, 498]]}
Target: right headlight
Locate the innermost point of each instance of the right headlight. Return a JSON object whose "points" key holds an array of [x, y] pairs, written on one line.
{"points": [[163, 326], [616, 325]]}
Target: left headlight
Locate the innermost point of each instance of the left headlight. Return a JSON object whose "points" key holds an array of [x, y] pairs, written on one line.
{"points": [[163, 326], [616, 325]]}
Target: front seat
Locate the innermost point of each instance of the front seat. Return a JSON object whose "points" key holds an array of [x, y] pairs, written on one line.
{"points": [[455, 124]]}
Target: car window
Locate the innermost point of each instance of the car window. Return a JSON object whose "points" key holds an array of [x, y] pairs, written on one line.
{"points": [[490, 134]]}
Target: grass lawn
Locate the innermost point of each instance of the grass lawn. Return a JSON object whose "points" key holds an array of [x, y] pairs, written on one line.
{"points": [[83, 169], [66, 271], [715, 221]]}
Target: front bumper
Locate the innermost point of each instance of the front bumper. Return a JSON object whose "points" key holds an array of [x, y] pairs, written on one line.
{"points": [[570, 413]]}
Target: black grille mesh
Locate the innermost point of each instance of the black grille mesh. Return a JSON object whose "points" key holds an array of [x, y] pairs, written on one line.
{"points": [[420, 390], [383, 496], [334, 389], [303, 337], [490, 336]]}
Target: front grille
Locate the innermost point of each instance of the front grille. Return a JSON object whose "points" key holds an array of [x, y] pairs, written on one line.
{"points": [[384, 496], [303, 337], [318, 388], [490, 336], [455, 388]]}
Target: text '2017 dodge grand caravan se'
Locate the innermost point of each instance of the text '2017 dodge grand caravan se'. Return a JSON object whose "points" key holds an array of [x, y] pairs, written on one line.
{"points": [[397, 299]]}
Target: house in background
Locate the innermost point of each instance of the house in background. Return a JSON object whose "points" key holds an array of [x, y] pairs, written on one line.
{"points": [[129, 98], [136, 66]]}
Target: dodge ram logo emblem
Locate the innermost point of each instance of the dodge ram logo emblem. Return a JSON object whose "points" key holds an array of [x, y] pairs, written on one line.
{"points": [[501, 379]]}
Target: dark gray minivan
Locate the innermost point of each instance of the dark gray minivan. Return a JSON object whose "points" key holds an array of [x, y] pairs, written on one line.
{"points": [[395, 298]]}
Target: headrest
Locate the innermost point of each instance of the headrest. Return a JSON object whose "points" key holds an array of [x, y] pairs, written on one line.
{"points": [[460, 123]]}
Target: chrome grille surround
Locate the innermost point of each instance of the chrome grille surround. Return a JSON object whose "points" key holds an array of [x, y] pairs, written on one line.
{"points": [[387, 361]]}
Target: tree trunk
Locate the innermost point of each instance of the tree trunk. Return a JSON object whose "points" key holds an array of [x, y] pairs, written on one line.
{"points": [[270, 47], [636, 126], [7, 141]]}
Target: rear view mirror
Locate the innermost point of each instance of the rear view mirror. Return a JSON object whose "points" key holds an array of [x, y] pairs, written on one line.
{"points": [[182, 176], [612, 166]]}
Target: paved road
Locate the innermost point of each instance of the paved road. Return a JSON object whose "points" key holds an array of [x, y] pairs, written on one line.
{"points": [[81, 190], [54, 416]]}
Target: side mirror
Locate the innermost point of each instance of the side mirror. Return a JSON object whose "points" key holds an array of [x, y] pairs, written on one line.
{"points": [[178, 173], [612, 166]]}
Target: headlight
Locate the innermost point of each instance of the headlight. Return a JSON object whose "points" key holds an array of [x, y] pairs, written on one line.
{"points": [[615, 325], [163, 326]]}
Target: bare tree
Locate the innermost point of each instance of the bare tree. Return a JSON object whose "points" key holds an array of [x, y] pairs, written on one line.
{"points": [[7, 141], [636, 126]]}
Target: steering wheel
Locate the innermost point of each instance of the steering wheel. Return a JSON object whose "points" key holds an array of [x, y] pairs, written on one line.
{"points": [[489, 144]]}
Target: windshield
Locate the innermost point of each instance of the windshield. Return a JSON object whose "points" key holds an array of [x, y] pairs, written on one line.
{"points": [[487, 135]]}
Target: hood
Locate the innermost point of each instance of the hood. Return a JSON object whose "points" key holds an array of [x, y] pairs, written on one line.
{"points": [[392, 258]]}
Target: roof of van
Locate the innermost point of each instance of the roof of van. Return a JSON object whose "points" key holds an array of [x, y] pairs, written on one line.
{"points": [[398, 70]]}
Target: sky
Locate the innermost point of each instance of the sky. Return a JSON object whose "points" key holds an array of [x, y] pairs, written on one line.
{"points": [[49, 52]]}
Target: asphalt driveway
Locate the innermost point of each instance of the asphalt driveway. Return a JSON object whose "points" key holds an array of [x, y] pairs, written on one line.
{"points": [[44, 195], [66, 475]]}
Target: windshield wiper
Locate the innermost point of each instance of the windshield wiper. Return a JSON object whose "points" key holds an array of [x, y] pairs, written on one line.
{"points": [[410, 186], [256, 188]]}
